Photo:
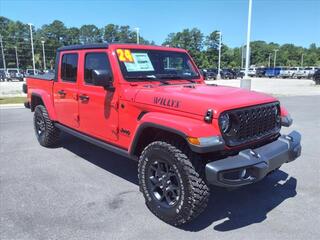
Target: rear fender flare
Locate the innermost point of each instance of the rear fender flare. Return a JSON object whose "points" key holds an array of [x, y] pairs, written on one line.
{"points": [[47, 101]]}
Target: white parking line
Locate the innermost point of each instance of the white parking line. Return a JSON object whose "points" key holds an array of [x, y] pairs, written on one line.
{"points": [[11, 106]]}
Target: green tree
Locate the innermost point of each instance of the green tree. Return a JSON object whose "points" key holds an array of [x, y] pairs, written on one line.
{"points": [[192, 40], [90, 34]]}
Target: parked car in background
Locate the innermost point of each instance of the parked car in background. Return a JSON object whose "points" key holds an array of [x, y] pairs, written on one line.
{"points": [[316, 77], [272, 72], [260, 72], [301, 73], [203, 73], [252, 72], [286, 72], [239, 73], [30, 72], [2, 75], [310, 71], [227, 74], [14, 74], [211, 74]]}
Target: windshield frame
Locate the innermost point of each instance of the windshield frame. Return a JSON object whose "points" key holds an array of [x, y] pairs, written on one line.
{"points": [[152, 76]]}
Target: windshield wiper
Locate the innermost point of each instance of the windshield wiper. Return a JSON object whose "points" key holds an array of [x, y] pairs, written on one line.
{"points": [[174, 77], [147, 78]]}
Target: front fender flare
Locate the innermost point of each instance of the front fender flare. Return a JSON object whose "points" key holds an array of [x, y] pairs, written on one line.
{"points": [[180, 125]]}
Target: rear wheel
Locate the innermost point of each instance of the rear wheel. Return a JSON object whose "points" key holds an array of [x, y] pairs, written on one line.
{"points": [[174, 191], [47, 134]]}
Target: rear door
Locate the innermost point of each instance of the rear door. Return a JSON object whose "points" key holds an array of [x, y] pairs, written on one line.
{"points": [[97, 105], [66, 90]]}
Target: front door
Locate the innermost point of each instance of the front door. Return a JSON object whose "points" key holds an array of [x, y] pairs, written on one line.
{"points": [[65, 90], [97, 105]]}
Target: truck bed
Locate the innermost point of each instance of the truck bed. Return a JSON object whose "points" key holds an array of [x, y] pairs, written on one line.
{"points": [[41, 85]]}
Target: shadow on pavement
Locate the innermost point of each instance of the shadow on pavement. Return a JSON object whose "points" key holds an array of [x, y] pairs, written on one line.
{"points": [[233, 209], [227, 209], [111, 162]]}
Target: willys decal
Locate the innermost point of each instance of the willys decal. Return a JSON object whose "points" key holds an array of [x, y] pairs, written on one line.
{"points": [[166, 102]]}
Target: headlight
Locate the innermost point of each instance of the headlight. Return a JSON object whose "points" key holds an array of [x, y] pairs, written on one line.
{"points": [[225, 122]]}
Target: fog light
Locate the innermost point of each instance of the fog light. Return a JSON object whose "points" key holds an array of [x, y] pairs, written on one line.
{"points": [[243, 173]]}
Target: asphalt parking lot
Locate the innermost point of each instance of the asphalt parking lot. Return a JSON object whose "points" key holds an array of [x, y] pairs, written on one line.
{"points": [[79, 191]]}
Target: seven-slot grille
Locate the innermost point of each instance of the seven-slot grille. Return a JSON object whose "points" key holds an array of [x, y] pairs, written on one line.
{"points": [[252, 123]]}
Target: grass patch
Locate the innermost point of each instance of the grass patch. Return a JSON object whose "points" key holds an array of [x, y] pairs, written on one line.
{"points": [[12, 100]]}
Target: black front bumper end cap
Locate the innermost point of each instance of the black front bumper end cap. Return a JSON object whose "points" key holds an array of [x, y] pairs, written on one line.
{"points": [[252, 165]]}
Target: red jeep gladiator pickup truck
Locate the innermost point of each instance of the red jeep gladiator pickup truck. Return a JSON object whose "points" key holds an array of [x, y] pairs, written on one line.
{"points": [[151, 104]]}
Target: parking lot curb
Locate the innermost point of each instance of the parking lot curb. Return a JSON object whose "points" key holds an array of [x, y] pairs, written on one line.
{"points": [[11, 106]]}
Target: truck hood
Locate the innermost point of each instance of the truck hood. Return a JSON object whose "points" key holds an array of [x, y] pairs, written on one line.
{"points": [[198, 98]]}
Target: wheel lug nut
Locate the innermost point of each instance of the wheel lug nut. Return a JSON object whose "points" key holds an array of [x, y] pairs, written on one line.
{"points": [[168, 182]]}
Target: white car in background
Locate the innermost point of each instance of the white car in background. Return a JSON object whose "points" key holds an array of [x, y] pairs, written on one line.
{"points": [[252, 72], [32, 72], [14, 74], [310, 71], [301, 73], [288, 72]]}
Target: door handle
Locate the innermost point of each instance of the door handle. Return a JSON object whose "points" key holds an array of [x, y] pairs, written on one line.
{"points": [[61, 92], [84, 98]]}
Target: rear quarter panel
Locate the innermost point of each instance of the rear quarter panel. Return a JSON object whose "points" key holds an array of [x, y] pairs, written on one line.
{"points": [[42, 88]]}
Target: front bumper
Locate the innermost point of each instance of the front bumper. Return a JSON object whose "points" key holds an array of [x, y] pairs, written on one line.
{"points": [[252, 165]]}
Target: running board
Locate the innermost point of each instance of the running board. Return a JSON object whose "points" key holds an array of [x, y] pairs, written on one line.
{"points": [[93, 140]]}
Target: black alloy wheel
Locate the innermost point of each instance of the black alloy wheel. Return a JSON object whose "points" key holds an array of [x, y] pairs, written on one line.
{"points": [[163, 183]]}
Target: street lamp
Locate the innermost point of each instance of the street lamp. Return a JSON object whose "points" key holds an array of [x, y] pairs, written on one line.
{"points": [[242, 55], [269, 63], [275, 57], [31, 39], [246, 82], [17, 60], [138, 37], [44, 56], [3, 58], [219, 59]]}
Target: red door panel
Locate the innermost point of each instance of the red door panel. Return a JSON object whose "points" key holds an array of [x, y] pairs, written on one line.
{"points": [[66, 90], [97, 106]]}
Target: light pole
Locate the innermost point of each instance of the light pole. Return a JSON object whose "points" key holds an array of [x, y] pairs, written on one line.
{"points": [[138, 37], [269, 63], [275, 57], [219, 59], [2, 52], [31, 39], [302, 60], [44, 56], [245, 82], [242, 55], [17, 60]]}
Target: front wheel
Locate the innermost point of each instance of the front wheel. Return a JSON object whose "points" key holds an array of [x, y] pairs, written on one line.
{"points": [[47, 134], [174, 191]]}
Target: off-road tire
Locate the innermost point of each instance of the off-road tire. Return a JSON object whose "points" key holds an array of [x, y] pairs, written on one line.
{"points": [[50, 135], [194, 192]]}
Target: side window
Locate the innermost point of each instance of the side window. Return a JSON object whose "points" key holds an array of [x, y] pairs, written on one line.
{"points": [[69, 67], [95, 61]]}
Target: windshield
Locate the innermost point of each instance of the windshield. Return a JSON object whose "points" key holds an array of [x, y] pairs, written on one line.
{"points": [[141, 65], [12, 71]]}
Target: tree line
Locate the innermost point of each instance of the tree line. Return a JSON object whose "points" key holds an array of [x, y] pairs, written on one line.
{"points": [[203, 48]]}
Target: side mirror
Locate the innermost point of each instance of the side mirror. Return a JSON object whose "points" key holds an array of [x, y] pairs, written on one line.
{"points": [[102, 78]]}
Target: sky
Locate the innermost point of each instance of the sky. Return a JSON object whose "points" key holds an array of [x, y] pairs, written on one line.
{"points": [[280, 21]]}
